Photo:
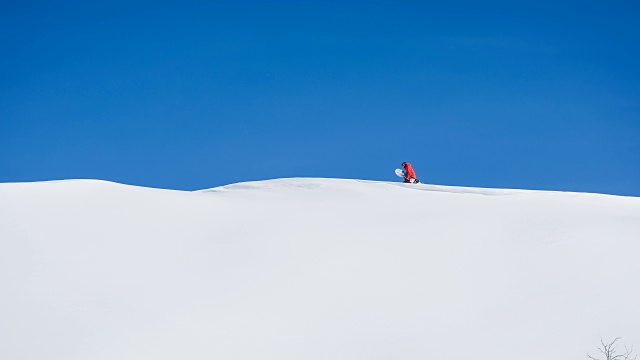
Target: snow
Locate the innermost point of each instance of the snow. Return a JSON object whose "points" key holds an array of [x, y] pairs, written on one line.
{"points": [[307, 268]]}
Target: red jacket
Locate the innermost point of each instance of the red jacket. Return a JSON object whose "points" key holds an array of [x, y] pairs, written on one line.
{"points": [[409, 173]]}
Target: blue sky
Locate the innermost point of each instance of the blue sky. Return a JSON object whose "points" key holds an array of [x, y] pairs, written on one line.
{"points": [[191, 95]]}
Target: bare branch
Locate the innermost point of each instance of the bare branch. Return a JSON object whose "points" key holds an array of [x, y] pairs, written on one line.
{"points": [[610, 353]]}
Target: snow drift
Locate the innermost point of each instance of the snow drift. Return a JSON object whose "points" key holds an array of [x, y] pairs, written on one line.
{"points": [[314, 269]]}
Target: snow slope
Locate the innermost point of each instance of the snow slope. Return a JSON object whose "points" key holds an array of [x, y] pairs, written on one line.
{"points": [[314, 269]]}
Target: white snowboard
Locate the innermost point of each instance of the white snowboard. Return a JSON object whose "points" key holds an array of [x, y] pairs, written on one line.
{"points": [[401, 173]]}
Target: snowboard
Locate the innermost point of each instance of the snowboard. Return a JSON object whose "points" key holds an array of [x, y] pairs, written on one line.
{"points": [[401, 173]]}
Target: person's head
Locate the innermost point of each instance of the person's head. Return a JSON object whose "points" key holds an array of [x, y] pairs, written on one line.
{"points": [[404, 164]]}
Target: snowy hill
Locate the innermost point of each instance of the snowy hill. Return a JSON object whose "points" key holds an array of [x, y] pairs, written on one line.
{"points": [[314, 269]]}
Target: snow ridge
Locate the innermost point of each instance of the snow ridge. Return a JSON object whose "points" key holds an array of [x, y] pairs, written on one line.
{"points": [[313, 268]]}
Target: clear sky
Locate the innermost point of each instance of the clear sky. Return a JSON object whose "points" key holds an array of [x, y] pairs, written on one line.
{"points": [[191, 95]]}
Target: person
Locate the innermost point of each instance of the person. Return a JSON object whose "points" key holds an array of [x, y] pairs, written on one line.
{"points": [[409, 174]]}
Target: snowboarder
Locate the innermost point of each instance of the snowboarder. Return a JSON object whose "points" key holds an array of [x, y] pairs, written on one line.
{"points": [[409, 174]]}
